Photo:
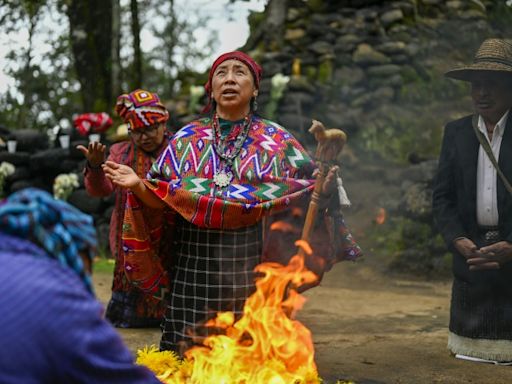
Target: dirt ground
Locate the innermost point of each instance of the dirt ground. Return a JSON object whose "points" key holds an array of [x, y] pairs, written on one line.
{"points": [[371, 329], [367, 326]]}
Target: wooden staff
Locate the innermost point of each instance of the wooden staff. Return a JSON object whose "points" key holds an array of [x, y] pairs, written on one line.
{"points": [[330, 144]]}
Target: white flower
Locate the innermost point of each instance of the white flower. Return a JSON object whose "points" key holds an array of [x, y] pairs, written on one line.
{"points": [[279, 80], [64, 185], [278, 85], [6, 169]]}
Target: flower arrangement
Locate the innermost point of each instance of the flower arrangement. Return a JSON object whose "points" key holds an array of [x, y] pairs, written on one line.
{"points": [[88, 123], [278, 85], [64, 185], [6, 169]]}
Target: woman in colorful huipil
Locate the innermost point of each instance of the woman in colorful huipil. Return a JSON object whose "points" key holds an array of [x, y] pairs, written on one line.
{"points": [[145, 116], [222, 175]]}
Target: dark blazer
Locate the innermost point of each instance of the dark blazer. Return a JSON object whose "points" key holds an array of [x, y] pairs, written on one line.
{"points": [[454, 192]]}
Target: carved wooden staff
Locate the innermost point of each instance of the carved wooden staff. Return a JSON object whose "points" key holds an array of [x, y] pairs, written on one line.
{"points": [[330, 144]]}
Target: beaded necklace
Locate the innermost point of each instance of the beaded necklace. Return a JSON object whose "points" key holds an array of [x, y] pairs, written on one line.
{"points": [[228, 148]]}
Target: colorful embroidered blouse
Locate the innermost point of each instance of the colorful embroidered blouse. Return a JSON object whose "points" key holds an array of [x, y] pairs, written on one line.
{"points": [[268, 175]]}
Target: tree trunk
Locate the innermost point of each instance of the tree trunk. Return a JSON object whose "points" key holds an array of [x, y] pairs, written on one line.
{"points": [[116, 36], [275, 18], [271, 29], [91, 40], [137, 53], [27, 75]]}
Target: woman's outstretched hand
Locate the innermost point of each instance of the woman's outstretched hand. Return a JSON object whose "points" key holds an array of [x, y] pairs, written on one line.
{"points": [[94, 153], [121, 175]]}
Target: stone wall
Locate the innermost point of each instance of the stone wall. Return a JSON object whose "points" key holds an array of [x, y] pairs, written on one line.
{"points": [[361, 60], [38, 161]]}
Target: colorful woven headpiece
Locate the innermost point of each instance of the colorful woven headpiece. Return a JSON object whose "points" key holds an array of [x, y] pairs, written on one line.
{"points": [[254, 67], [54, 225], [92, 122], [141, 109]]}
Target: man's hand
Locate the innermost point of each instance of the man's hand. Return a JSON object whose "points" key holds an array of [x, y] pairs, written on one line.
{"points": [[493, 256], [466, 248], [474, 256]]}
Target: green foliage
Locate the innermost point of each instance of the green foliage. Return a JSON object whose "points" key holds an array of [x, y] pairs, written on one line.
{"points": [[400, 131], [45, 92], [432, 86], [169, 68], [325, 71], [412, 247], [500, 17]]}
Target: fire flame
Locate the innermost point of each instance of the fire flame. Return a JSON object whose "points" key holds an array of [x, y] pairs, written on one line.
{"points": [[265, 346]]}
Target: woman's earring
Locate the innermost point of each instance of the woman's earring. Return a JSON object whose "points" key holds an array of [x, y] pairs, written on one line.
{"points": [[254, 104]]}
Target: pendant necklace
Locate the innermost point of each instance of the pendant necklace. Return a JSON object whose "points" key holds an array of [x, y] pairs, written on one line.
{"points": [[228, 149]]}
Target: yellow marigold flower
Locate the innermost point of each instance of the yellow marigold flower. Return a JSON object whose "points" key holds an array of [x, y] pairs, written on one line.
{"points": [[159, 362]]}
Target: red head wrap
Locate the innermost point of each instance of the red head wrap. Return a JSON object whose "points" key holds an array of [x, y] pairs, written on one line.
{"points": [[253, 66], [141, 109]]}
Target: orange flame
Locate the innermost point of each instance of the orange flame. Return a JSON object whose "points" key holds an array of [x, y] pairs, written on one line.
{"points": [[266, 345], [380, 218]]}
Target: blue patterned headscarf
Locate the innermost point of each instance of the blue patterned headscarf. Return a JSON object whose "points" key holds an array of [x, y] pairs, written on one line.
{"points": [[56, 226]]}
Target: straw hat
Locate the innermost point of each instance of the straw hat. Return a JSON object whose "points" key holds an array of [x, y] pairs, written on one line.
{"points": [[494, 55]]}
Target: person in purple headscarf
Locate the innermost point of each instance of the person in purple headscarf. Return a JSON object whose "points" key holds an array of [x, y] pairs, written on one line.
{"points": [[51, 325]]}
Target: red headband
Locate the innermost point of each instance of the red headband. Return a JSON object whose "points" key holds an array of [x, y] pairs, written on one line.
{"points": [[253, 66]]}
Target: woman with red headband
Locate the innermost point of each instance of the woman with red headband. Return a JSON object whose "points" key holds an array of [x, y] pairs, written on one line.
{"points": [[222, 175], [145, 116]]}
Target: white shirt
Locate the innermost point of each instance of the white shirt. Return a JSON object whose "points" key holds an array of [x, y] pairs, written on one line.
{"points": [[486, 175]]}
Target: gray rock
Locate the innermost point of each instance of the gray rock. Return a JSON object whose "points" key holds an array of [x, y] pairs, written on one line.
{"points": [[349, 75], [454, 4], [367, 55], [304, 98], [392, 47], [321, 48], [294, 122], [294, 34], [471, 14], [301, 83], [383, 70], [391, 17], [383, 94]]}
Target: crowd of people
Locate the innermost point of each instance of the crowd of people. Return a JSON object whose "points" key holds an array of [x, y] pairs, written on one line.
{"points": [[192, 219]]}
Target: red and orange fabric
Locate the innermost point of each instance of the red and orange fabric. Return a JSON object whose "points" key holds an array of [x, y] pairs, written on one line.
{"points": [[272, 173], [141, 108]]}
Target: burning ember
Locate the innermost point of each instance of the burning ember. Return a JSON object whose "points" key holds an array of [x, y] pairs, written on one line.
{"points": [[265, 346], [380, 217]]}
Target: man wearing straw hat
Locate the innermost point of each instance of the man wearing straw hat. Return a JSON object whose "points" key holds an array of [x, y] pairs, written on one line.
{"points": [[472, 206]]}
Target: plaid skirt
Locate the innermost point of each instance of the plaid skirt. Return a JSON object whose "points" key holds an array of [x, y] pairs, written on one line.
{"points": [[213, 271]]}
